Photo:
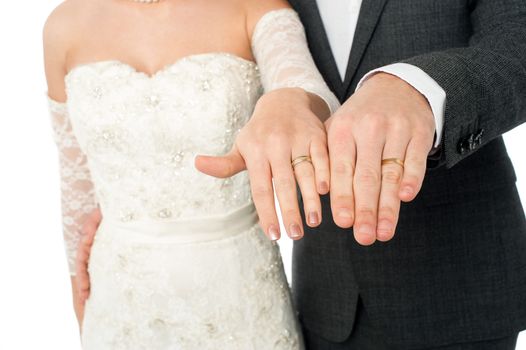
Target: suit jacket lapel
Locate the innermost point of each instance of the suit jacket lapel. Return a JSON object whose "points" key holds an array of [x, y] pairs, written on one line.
{"points": [[369, 15], [319, 44]]}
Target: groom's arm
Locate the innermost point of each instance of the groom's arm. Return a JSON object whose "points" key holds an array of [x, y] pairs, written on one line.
{"points": [[485, 86], [485, 83]]}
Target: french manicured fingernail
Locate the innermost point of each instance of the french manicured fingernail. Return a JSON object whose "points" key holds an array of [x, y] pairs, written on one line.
{"points": [[313, 218], [408, 191], [295, 231], [384, 228], [345, 213], [365, 229], [324, 187], [273, 232]]}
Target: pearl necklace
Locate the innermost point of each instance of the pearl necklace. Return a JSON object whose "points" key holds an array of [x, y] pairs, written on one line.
{"points": [[147, 1]]}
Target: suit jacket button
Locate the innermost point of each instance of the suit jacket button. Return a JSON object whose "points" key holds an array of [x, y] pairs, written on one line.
{"points": [[466, 144], [462, 148], [478, 138]]}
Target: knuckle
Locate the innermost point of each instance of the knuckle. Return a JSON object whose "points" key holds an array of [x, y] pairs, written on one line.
{"points": [[342, 199], [340, 131], [367, 176], [342, 168], [290, 213], [417, 161], [400, 127], [366, 213], [340, 137], [415, 158], [391, 176], [259, 192], [304, 172], [387, 212], [319, 152], [284, 183], [321, 168], [416, 164], [311, 202], [374, 122], [277, 139]]}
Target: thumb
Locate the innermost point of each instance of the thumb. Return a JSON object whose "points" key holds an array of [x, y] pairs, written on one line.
{"points": [[221, 166]]}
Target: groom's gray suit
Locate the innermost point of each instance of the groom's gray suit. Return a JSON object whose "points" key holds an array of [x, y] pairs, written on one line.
{"points": [[456, 270]]}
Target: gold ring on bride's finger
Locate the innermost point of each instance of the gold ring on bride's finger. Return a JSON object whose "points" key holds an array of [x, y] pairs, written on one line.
{"points": [[393, 161], [299, 160]]}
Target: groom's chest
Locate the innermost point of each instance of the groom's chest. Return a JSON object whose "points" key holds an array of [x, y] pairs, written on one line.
{"points": [[366, 34]]}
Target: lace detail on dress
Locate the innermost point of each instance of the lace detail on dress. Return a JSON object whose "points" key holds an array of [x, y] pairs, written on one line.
{"points": [[235, 298], [280, 47], [77, 194]]}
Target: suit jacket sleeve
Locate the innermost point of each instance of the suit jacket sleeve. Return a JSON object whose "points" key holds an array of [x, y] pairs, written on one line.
{"points": [[485, 82]]}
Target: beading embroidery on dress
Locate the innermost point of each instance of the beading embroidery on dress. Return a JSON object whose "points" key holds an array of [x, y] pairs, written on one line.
{"points": [[152, 142]]}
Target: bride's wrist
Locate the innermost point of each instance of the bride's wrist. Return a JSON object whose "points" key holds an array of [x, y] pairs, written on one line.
{"points": [[298, 99]]}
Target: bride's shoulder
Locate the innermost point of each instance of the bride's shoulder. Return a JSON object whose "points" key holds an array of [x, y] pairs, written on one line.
{"points": [[62, 23], [256, 9], [59, 33]]}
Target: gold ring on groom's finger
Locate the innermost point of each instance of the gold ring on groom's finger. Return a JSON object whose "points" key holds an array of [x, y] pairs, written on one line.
{"points": [[393, 161], [299, 160]]}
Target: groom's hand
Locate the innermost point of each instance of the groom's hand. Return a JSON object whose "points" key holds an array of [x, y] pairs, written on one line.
{"points": [[285, 125], [385, 119]]}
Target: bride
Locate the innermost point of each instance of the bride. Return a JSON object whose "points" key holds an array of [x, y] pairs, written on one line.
{"points": [[136, 90]]}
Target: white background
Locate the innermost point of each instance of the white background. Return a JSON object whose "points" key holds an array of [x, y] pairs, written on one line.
{"points": [[35, 311]]}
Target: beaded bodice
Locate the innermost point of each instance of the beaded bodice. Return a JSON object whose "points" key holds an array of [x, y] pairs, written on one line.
{"points": [[141, 133]]}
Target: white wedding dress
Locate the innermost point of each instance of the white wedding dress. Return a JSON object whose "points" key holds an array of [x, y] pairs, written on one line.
{"points": [[179, 261]]}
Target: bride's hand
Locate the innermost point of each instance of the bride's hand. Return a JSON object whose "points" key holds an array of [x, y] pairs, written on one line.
{"points": [[81, 282], [285, 125], [78, 303]]}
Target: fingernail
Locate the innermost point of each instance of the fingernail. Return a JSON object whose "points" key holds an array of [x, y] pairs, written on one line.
{"points": [[295, 231], [324, 187], [313, 218], [407, 190], [365, 229], [345, 213], [384, 228], [273, 232]]}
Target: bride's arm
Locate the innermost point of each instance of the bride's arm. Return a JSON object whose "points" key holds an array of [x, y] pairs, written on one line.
{"points": [[286, 124], [77, 194], [280, 48]]}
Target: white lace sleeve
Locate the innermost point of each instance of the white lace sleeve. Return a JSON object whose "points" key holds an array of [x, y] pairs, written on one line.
{"points": [[77, 193], [279, 45]]}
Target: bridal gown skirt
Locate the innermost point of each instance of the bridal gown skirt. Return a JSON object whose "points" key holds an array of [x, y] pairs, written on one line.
{"points": [[212, 283]]}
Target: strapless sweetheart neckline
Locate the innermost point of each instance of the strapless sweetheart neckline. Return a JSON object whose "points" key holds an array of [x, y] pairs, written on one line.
{"points": [[162, 70]]}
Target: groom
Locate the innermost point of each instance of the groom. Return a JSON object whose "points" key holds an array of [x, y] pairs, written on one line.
{"points": [[425, 129], [454, 275]]}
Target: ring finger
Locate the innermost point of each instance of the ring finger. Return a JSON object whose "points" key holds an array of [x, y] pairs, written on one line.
{"points": [[285, 185], [389, 202], [304, 173]]}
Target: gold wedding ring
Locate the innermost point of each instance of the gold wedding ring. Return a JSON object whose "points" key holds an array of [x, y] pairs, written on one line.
{"points": [[299, 160], [393, 161]]}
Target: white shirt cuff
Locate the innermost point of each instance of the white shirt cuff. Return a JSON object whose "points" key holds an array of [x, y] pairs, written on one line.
{"points": [[423, 83]]}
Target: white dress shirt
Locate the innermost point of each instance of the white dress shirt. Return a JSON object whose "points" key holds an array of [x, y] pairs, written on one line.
{"points": [[340, 18]]}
